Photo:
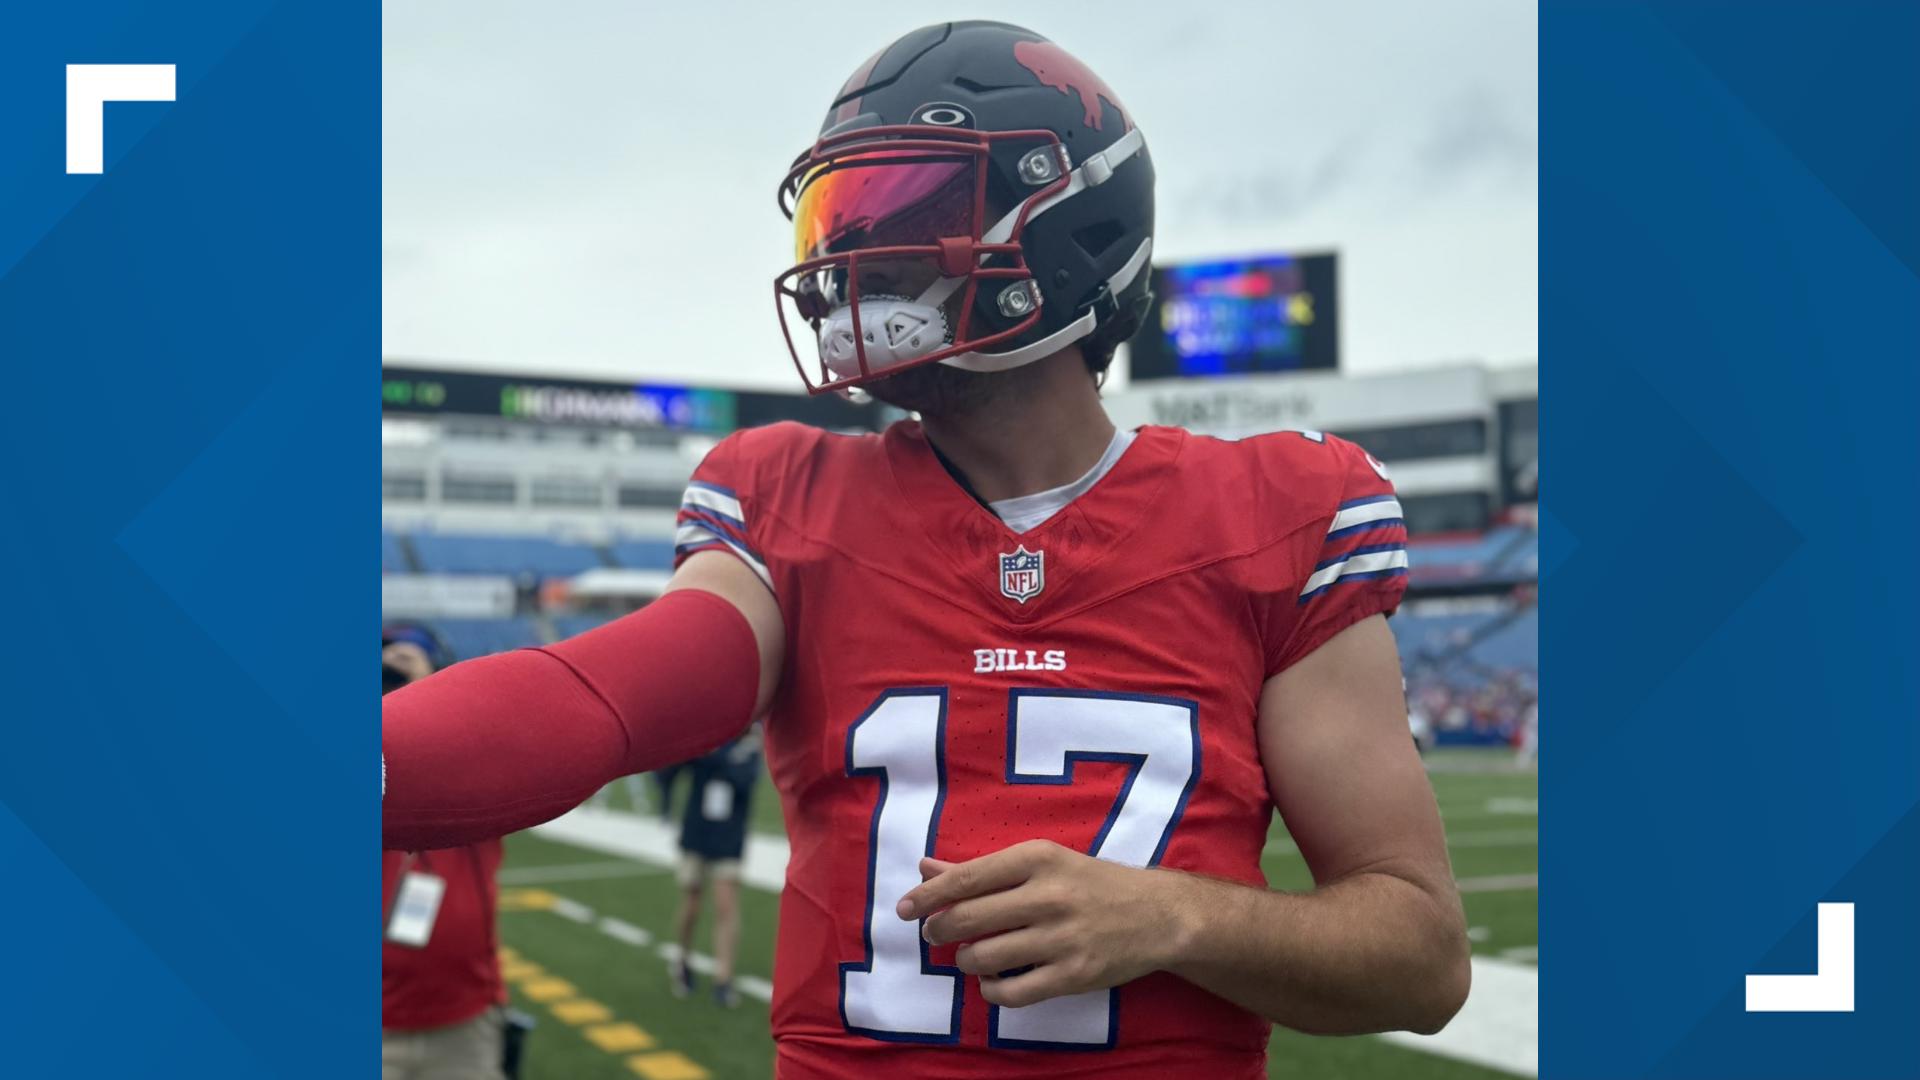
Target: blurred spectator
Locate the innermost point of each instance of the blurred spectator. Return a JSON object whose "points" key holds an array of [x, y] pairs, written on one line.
{"points": [[663, 780], [713, 836], [442, 1003], [1484, 707]]}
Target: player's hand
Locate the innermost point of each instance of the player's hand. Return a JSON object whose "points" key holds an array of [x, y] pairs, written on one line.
{"points": [[1053, 920]]}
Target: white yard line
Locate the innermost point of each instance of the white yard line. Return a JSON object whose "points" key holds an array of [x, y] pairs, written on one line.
{"points": [[1499, 1028], [624, 931], [1499, 883], [751, 985], [628, 934], [572, 910]]}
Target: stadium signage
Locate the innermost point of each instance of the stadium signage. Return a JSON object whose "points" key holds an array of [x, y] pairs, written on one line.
{"points": [[640, 406], [558, 401], [1237, 408], [584, 403]]}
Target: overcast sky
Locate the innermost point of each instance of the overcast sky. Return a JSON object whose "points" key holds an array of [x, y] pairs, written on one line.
{"points": [[586, 187]]}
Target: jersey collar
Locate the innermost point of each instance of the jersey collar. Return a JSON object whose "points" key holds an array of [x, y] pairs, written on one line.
{"points": [[1080, 535]]}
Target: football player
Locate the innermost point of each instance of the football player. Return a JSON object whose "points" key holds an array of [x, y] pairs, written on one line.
{"points": [[1033, 687]]}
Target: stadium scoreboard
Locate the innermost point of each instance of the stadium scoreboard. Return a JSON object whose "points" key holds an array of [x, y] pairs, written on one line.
{"points": [[1245, 316]]}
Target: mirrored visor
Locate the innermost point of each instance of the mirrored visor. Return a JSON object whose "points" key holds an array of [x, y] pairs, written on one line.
{"points": [[882, 199]]}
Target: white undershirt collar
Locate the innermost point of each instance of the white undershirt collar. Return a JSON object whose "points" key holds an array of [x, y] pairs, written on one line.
{"points": [[1024, 513]]}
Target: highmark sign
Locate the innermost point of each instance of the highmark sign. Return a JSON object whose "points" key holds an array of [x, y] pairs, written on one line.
{"points": [[639, 406], [558, 401]]}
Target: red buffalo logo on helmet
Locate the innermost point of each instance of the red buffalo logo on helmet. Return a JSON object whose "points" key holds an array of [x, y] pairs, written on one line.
{"points": [[1055, 67]]}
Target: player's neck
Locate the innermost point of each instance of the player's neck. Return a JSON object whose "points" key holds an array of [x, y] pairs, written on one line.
{"points": [[1046, 434]]}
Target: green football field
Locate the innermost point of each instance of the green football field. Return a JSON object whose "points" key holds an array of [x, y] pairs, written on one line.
{"points": [[581, 930]]}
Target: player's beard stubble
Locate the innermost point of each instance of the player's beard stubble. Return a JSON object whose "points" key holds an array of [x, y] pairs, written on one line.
{"points": [[942, 391], [949, 393]]}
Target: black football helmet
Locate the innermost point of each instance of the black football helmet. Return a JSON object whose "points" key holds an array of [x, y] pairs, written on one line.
{"points": [[977, 198]]}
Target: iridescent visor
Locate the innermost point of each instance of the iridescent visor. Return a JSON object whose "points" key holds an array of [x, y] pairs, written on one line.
{"points": [[884, 199]]}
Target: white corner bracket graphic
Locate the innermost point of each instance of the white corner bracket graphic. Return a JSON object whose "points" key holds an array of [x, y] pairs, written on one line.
{"points": [[89, 88], [1829, 988]]}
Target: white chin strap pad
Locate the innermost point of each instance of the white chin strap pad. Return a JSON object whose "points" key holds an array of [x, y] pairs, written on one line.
{"points": [[896, 329]]}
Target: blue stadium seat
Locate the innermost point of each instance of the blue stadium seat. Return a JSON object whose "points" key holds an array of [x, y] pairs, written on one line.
{"points": [[1505, 555], [1521, 559], [1506, 645], [644, 554], [392, 559], [457, 553], [1513, 646], [469, 638], [1428, 635]]}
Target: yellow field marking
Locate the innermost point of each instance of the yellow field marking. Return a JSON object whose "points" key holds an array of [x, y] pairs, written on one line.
{"points": [[618, 1037], [518, 970], [612, 1035], [547, 989], [666, 1065], [581, 1011], [525, 900], [506, 954]]}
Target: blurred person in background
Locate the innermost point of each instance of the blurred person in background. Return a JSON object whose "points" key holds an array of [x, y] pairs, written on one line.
{"points": [[713, 836], [1417, 721], [663, 782], [1527, 754], [638, 800], [442, 1003]]}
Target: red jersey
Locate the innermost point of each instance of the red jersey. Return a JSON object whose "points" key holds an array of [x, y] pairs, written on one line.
{"points": [[456, 975], [953, 688]]}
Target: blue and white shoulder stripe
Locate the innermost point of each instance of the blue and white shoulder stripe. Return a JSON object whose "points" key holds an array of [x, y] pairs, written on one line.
{"points": [[1366, 539], [711, 518]]}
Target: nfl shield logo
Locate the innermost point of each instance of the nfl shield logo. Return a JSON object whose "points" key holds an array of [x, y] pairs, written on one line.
{"points": [[1023, 574]]}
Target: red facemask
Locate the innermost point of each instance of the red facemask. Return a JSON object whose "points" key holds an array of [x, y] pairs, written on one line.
{"points": [[891, 249]]}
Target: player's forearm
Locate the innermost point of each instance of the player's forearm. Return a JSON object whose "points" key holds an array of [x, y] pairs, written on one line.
{"points": [[1373, 952], [505, 742]]}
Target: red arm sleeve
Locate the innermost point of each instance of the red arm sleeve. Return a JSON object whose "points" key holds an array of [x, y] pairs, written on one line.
{"points": [[501, 743]]}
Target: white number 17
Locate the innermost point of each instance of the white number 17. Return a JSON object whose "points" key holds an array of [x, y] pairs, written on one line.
{"points": [[895, 993]]}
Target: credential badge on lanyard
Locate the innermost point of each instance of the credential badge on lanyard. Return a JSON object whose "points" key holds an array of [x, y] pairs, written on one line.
{"points": [[415, 908]]}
